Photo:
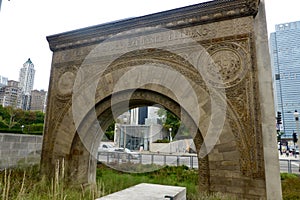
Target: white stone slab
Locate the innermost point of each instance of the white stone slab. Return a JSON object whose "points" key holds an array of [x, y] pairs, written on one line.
{"points": [[147, 191]]}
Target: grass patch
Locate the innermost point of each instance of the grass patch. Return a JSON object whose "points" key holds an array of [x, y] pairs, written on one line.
{"points": [[28, 184], [290, 186], [177, 176]]}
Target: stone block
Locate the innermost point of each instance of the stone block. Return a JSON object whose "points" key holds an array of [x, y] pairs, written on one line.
{"points": [[5, 145], [28, 139], [19, 145], [12, 138], [147, 191]]}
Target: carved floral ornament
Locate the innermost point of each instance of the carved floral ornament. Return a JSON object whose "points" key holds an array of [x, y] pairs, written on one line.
{"points": [[65, 82], [229, 67]]}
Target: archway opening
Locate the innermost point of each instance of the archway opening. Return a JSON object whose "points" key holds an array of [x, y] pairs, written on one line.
{"points": [[136, 139], [145, 133]]}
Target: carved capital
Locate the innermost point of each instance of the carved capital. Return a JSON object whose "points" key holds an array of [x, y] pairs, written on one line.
{"points": [[252, 6]]}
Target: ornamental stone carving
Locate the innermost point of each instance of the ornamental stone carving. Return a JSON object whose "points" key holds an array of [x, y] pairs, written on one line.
{"points": [[225, 31], [65, 83], [229, 66]]}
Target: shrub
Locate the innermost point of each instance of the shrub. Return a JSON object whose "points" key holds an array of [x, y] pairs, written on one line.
{"points": [[290, 186], [162, 141]]}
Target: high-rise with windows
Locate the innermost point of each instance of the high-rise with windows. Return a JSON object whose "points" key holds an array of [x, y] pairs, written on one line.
{"points": [[38, 100], [285, 58], [10, 94], [26, 79], [3, 81]]}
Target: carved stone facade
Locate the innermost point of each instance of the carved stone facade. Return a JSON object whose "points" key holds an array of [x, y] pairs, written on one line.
{"points": [[207, 50]]}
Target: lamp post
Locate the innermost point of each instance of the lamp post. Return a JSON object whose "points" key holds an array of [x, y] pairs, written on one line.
{"points": [[170, 132], [22, 128], [124, 132], [116, 135]]}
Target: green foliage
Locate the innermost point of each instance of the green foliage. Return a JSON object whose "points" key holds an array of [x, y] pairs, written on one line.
{"points": [[4, 112], [177, 176], [13, 130], [285, 176], [170, 120], [290, 186], [27, 184], [11, 120], [110, 131], [2, 124], [162, 141], [33, 128]]}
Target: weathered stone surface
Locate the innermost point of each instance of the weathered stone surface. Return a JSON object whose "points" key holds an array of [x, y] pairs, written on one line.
{"points": [[19, 149], [204, 62], [148, 192]]}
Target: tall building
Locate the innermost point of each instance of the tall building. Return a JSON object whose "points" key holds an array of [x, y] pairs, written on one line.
{"points": [[38, 100], [3, 81], [26, 79], [285, 59], [144, 115], [10, 94]]}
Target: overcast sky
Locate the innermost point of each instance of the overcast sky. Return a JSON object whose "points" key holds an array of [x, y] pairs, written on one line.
{"points": [[24, 25]]}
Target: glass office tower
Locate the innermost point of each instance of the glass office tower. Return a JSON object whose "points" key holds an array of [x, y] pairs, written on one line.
{"points": [[285, 59]]}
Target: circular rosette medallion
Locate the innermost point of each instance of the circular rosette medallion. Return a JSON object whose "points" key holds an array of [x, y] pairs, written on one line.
{"points": [[65, 85], [229, 66]]}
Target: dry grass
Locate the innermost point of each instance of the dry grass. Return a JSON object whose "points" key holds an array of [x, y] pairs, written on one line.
{"points": [[27, 184]]}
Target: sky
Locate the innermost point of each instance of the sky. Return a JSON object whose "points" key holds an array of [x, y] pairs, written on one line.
{"points": [[24, 25]]}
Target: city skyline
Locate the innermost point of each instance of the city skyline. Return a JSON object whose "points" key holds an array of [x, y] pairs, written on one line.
{"points": [[285, 48], [25, 25]]}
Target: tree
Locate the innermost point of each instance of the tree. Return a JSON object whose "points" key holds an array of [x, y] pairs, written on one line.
{"points": [[40, 117], [110, 131], [169, 120], [12, 117]]}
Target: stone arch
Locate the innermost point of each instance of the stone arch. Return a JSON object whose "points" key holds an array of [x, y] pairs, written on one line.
{"points": [[103, 110], [227, 36]]}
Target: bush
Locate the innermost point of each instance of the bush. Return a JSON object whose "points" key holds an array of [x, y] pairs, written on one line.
{"points": [[19, 131], [290, 184], [285, 176], [7, 130], [162, 141]]}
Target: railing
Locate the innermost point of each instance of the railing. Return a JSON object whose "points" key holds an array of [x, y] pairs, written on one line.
{"points": [[189, 160], [289, 165]]}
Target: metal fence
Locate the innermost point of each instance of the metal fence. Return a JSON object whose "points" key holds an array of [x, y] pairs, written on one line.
{"points": [[189, 160], [289, 165]]}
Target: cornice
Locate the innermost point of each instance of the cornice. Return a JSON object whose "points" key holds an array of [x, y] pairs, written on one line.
{"points": [[197, 14]]}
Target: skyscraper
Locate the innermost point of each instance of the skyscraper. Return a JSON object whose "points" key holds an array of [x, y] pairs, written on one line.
{"points": [[143, 114], [26, 79], [285, 59], [3, 81]]}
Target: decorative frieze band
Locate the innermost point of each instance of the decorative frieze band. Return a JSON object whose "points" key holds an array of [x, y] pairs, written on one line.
{"points": [[202, 13]]}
